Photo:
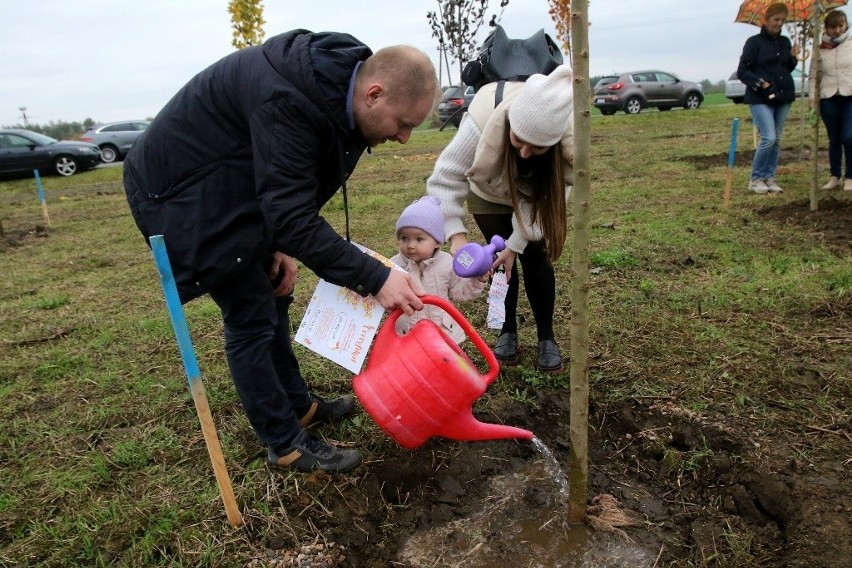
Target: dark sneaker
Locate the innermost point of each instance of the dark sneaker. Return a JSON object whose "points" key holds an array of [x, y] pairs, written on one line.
{"points": [[307, 452], [322, 410], [506, 349], [549, 357]]}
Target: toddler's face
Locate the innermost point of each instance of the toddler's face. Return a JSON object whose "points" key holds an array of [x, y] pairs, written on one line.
{"points": [[416, 244]]}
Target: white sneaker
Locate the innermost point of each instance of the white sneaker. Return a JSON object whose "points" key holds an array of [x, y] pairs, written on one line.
{"points": [[758, 186], [773, 187], [847, 185], [833, 183]]}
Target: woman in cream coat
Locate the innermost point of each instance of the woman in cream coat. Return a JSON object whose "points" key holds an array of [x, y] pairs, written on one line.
{"points": [[510, 164], [835, 96]]}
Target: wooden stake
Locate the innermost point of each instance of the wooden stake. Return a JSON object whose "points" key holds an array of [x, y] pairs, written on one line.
{"points": [[193, 375]]}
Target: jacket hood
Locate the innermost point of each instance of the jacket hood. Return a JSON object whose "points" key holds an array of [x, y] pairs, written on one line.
{"points": [[295, 56]]}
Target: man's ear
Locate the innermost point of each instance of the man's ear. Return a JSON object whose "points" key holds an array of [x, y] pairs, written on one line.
{"points": [[373, 93]]}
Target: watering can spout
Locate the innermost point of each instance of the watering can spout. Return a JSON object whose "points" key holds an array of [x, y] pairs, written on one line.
{"points": [[465, 427]]}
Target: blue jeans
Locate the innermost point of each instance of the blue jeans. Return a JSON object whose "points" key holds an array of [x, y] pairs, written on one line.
{"points": [[769, 120], [263, 366], [837, 115]]}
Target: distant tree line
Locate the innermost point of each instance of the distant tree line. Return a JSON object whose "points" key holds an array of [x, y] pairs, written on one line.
{"points": [[59, 130]]}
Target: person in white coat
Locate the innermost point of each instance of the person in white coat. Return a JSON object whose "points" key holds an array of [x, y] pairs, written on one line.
{"points": [[835, 97], [510, 166]]}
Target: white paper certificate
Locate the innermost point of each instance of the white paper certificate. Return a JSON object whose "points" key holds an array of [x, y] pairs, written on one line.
{"points": [[340, 324]]}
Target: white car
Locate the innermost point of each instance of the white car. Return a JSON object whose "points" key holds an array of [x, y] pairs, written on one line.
{"points": [[735, 90]]}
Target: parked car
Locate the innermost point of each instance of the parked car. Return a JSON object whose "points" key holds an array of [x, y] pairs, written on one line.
{"points": [[454, 103], [115, 138], [631, 92], [735, 89], [25, 150]]}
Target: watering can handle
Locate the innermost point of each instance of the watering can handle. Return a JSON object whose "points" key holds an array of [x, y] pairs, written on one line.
{"points": [[447, 306]]}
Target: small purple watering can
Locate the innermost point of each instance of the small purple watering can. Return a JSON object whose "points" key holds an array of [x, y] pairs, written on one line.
{"points": [[474, 260]]}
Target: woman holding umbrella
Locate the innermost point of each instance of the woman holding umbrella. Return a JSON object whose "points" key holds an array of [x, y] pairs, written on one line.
{"points": [[765, 68]]}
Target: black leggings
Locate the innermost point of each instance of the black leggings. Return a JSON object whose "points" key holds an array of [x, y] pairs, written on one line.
{"points": [[539, 278]]}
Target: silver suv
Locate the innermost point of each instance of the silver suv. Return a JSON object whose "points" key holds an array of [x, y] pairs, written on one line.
{"points": [[115, 138], [631, 92]]}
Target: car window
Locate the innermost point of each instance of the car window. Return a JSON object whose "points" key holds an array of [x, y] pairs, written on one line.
{"points": [[141, 126], [120, 127], [643, 77], [452, 92], [14, 141], [666, 78], [604, 81], [470, 90]]}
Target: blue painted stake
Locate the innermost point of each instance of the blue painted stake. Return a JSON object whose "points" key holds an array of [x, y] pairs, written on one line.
{"points": [[41, 198], [732, 152], [193, 375]]}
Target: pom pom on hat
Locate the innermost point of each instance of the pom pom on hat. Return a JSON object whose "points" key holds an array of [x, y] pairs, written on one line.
{"points": [[424, 214], [542, 111]]}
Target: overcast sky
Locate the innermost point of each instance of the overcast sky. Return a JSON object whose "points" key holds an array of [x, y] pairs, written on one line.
{"points": [[68, 60]]}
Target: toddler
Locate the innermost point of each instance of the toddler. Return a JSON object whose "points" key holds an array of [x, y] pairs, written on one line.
{"points": [[420, 232]]}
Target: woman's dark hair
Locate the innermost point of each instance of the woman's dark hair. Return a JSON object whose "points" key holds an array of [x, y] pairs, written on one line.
{"points": [[548, 194]]}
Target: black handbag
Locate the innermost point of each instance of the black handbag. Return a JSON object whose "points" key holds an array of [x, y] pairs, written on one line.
{"points": [[502, 58]]}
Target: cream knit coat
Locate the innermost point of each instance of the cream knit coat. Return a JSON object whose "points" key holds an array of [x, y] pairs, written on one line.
{"points": [[836, 67], [473, 161]]}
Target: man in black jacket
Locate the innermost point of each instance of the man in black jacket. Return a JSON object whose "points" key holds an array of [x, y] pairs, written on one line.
{"points": [[233, 172]]}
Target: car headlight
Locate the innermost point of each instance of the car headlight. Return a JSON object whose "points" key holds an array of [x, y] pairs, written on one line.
{"points": [[87, 149]]}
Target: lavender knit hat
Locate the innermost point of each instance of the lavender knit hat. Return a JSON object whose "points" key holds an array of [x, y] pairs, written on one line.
{"points": [[424, 214], [542, 111]]}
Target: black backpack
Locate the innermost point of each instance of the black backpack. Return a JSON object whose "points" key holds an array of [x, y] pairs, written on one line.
{"points": [[504, 59]]}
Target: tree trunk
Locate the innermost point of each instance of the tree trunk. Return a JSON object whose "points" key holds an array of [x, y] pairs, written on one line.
{"points": [[816, 75], [578, 468]]}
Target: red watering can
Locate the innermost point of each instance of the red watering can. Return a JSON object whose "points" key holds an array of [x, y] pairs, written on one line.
{"points": [[422, 384]]}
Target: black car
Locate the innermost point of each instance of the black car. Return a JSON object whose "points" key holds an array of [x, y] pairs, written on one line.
{"points": [[454, 103], [25, 150]]}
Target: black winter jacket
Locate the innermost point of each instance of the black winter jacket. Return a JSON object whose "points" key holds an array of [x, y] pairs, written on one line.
{"points": [[767, 58], [238, 164]]}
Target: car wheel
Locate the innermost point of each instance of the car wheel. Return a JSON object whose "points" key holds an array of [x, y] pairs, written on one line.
{"points": [[109, 154], [65, 165], [663, 109], [607, 111], [692, 102], [633, 105]]}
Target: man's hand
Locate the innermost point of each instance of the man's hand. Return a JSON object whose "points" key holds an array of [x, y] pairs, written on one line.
{"points": [[400, 291], [287, 264]]}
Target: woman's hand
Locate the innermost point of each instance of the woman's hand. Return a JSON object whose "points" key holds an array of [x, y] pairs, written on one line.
{"points": [[457, 241], [281, 261], [795, 50], [506, 259]]}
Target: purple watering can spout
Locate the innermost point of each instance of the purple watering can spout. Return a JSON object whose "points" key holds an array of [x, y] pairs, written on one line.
{"points": [[474, 260]]}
